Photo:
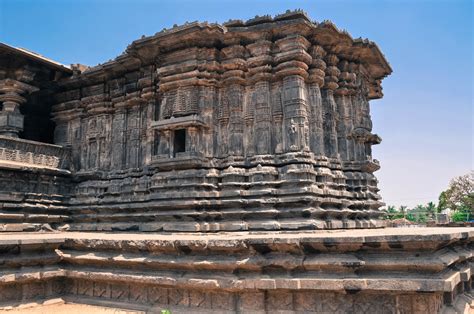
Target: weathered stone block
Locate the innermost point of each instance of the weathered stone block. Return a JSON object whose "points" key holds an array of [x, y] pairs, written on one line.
{"points": [[279, 300], [251, 301], [119, 291]]}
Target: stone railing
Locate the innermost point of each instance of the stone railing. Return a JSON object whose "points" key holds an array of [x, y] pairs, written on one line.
{"points": [[33, 153]]}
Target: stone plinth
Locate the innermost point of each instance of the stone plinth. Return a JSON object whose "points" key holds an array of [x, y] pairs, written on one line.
{"points": [[34, 184], [404, 270]]}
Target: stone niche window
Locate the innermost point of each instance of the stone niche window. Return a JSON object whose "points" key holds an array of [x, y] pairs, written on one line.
{"points": [[179, 141]]}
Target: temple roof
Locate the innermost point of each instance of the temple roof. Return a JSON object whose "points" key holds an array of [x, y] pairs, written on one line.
{"points": [[16, 52], [237, 32]]}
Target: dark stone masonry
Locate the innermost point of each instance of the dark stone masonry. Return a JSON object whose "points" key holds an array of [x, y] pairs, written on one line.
{"points": [[262, 125], [221, 168]]}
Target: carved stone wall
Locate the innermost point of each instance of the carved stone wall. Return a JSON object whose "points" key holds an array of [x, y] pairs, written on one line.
{"points": [[256, 125], [32, 197]]}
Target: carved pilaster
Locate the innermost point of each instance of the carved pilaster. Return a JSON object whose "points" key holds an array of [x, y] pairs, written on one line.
{"points": [[249, 119], [343, 97], [68, 132], [361, 135], [293, 65], [119, 126], [193, 140], [164, 143], [260, 75], [316, 82], [277, 116], [207, 99], [133, 137], [234, 64], [330, 107], [223, 121]]}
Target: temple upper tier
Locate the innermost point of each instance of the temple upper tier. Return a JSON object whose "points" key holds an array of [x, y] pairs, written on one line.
{"points": [[256, 125]]}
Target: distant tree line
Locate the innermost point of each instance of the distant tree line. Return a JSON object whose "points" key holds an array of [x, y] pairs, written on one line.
{"points": [[458, 198]]}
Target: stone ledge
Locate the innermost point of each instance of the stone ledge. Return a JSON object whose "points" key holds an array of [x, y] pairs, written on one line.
{"points": [[178, 123], [33, 154], [394, 235]]}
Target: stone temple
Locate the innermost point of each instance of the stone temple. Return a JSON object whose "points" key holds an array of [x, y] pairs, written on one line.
{"points": [[220, 168]]}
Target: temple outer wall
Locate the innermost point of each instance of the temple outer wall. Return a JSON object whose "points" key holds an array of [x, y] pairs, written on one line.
{"points": [[233, 133]]}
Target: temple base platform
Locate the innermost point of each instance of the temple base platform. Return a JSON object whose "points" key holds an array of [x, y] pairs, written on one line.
{"points": [[393, 270]]}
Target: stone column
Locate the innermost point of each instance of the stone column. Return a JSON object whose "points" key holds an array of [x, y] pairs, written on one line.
{"points": [[11, 120], [293, 65]]}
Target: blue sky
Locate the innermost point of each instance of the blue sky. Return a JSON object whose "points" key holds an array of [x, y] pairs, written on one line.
{"points": [[425, 118]]}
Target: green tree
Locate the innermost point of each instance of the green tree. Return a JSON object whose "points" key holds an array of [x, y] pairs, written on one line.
{"points": [[403, 211], [419, 208], [459, 197], [460, 193], [418, 213], [442, 202], [431, 209], [393, 213], [391, 209]]}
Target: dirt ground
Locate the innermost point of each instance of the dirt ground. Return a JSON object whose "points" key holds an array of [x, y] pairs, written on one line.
{"points": [[69, 308]]}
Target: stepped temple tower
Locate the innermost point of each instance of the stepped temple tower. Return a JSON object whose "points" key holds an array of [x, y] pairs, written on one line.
{"points": [[220, 160]]}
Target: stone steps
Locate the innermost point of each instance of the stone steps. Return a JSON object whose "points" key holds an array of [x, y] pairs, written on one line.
{"points": [[414, 264], [31, 215], [186, 226]]}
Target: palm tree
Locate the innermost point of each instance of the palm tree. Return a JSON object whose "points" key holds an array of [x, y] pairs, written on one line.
{"points": [[403, 210], [419, 212], [431, 209], [391, 212], [391, 209]]}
